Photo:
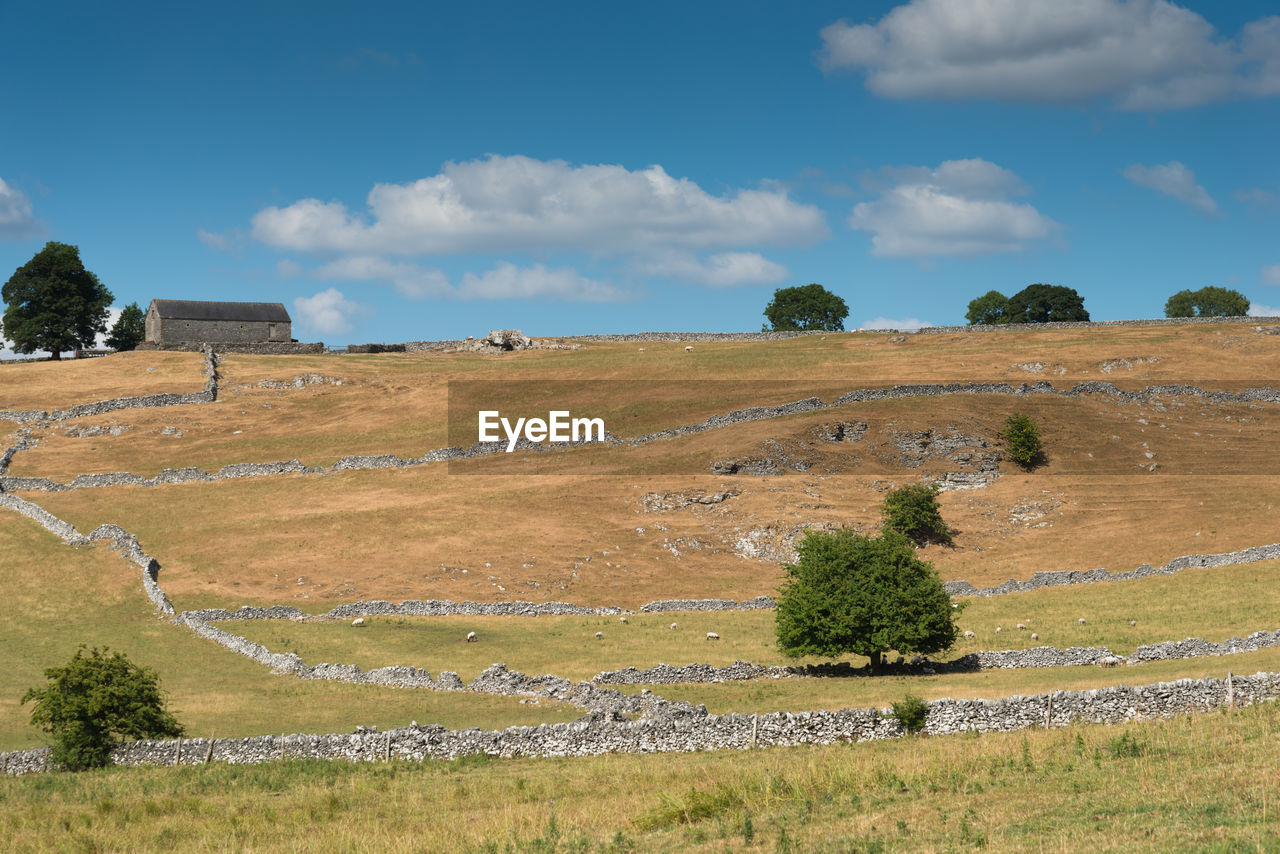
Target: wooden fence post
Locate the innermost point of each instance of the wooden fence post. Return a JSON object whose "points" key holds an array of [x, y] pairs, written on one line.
{"points": [[178, 760], [208, 756], [1048, 711], [755, 729], [1231, 693]]}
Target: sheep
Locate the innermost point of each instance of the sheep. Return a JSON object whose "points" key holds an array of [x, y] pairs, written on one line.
{"points": [[915, 659], [675, 626], [712, 636], [998, 630], [969, 634], [1035, 636], [1133, 622], [1081, 621], [471, 637], [599, 635], [1109, 661], [1022, 627], [622, 620], [358, 621], [689, 349]]}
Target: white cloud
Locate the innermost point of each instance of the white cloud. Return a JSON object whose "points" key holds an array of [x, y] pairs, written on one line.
{"points": [[509, 204], [957, 209], [216, 242], [1174, 180], [507, 281], [907, 324], [287, 268], [1257, 198], [504, 281], [722, 270], [17, 219], [328, 312], [1257, 309], [1270, 274], [113, 314], [1139, 54]]}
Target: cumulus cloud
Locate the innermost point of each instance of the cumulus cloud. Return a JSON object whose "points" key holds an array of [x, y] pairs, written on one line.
{"points": [[328, 312], [510, 204], [960, 208], [1270, 274], [1176, 181], [1257, 309], [907, 324], [17, 219], [722, 270], [504, 281], [1137, 54]]}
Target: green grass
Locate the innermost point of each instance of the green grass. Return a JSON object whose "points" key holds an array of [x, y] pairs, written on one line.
{"points": [[1214, 603], [1205, 782], [60, 597]]}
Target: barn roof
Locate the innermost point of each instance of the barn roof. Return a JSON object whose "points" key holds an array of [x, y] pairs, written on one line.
{"points": [[186, 309]]}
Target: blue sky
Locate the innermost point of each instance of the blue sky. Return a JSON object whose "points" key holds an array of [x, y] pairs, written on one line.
{"points": [[415, 171]]}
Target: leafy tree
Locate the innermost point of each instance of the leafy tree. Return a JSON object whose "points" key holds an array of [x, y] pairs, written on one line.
{"points": [[95, 702], [912, 510], [805, 307], [847, 593], [1041, 303], [1022, 441], [1209, 301], [992, 307], [54, 303], [129, 329]]}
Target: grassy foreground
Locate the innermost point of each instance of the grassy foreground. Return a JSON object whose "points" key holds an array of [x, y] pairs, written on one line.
{"points": [[1199, 783]]}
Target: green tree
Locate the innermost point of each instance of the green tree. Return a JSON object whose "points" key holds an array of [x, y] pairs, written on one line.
{"points": [[847, 593], [1042, 303], [1022, 441], [806, 307], [992, 307], [95, 702], [1209, 301], [913, 511], [53, 303], [129, 329]]}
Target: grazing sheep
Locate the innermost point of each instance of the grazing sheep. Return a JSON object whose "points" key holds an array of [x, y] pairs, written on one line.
{"points": [[712, 636], [1109, 661], [915, 659], [899, 660], [358, 621], [471, 637], [599, 635], [1081, 621], [1022, 627], [1035, 636], [1133, 622], [689, 349], [622, 620], [998, 630], [674, 626], [969, 634]]}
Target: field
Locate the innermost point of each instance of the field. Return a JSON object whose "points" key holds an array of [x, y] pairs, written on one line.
{"points": [[1126, 482]]}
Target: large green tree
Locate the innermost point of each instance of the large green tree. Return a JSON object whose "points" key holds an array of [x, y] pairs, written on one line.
{"points": [[990, 308], [1209, 301], [53, 303], [129, 329], [806, 307], [1040, 303], [848, 593], [96, 701]]}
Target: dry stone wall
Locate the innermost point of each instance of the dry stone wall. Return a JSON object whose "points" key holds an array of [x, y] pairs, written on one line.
{"points": [[1154, 321], [693, 729]]}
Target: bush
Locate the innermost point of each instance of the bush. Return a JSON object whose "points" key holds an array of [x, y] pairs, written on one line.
{"points": [[1022, 441], [911, 712], [865, 595], [95, 702], [913, 511]]}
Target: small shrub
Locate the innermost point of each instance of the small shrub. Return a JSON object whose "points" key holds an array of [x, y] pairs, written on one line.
{"points": [[1022, 441], [911, 712], [913, 510]]}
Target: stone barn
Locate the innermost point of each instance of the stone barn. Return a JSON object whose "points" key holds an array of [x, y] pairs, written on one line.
{"points": [[186, 322]]}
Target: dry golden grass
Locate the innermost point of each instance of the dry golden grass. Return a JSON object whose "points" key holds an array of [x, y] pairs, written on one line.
{"points": [[58, 385]]}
